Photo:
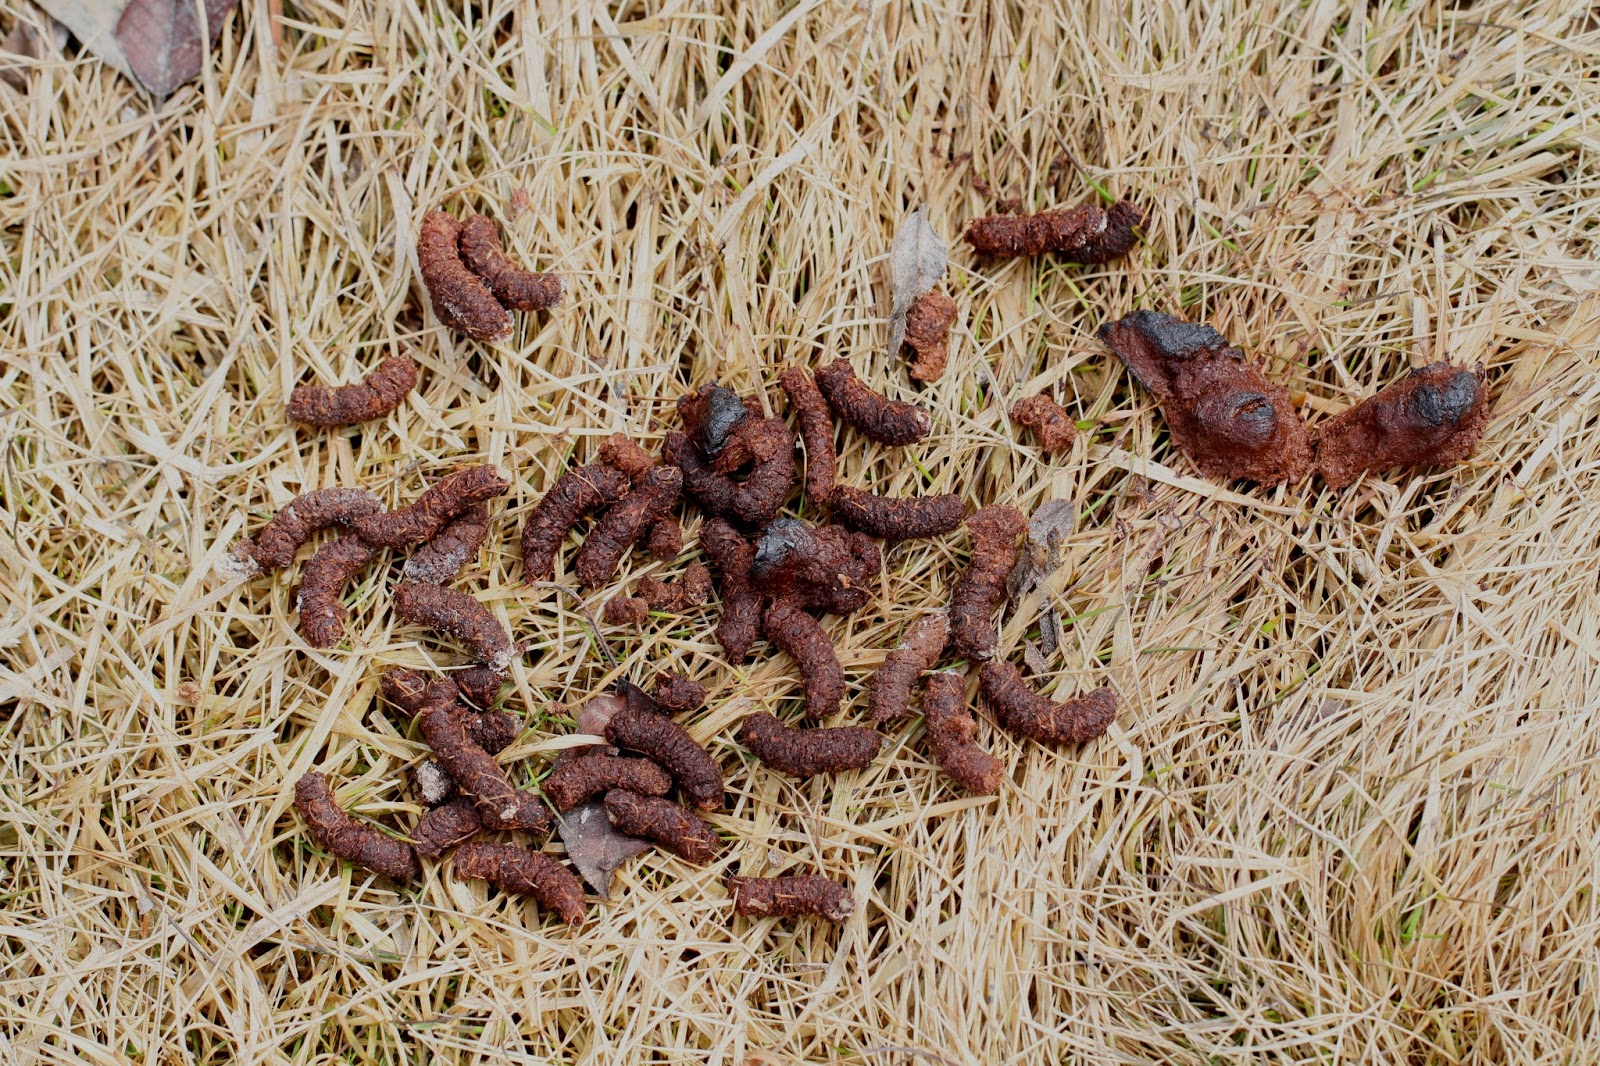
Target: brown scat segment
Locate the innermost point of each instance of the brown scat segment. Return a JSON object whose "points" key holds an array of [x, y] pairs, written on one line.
{"points": [[523, 872], [952, 735], [457, 614], [732, 555], [1228, 418], [322, 582], [297, 520], [460, 298], [884, 420], [677, 693], [799, 634], [696, 584], [822, 567], [575, 494], [1025, 712], [668, 744], [437, 505], [713, 491], [440, 559], [347, 405], [928, 323], [347, 838], [896, 518], [477, 775], [665, 539], [513, 286], [758, 498], [618, 451], [756, 440], [710, 415], [1084, 234], [894, 681], [982, 584], [1052, 430], [658, 594], [445, 827], [1434, 416], [410, 691], [663, 822], [493, 731], [816, 431], [480, 684], [573, 782], [624, 522], [626, 611], [790, 897], [806, 753]]}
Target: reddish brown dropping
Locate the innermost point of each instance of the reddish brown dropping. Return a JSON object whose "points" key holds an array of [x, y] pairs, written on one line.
{"points": [[675, 692], [1052, 430], [575, 781], [322, 582], [480, 684], [732, 555], [904, 666], [808, 752], [577, 493], [1085, 234], [1434, 416], [696, 583], [816, 432], [669, 745], [1029, 714], [493, 731], [928, 323], [523, 872], [1220, 410], [514, 287], [627, 456], [820, 567], [457, 614], [762, 493], [799, 634], [460, 298], [665, 540], [884, 420], [663, 822], [431, 511], [625, 522], [713, 491], [952, 735], [445, 827], [790, 897], [346, 405], [896, 518], [982, 584], [303, 516], [348, 839], [500, 804], [658, 594], [754, 441], [711, 414], [626, 611], [440, 559]]}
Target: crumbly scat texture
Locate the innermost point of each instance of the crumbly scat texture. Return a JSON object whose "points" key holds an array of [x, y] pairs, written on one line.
{"points": [[300, 518], [928, 323], [480, 684], [756, 440], [896, 517], [411, 691], [669, 745], [952, 732], [500, 804], [408, 690], [625, 523], [460, 298], [493, 731], [445, 827], [894, 682], [790, 897], [574, 495], [799, 634], [675, 692], [663, 823], [710, 416], [523, 872], [1084, 234], [732, 556], [1434, 416], [1222, 413], [349, 839], [1025, 712], [761, 495], [457, 614], [808, 752], [322, 582], [821, 567], [432, 783], [658, 594], [696, 583], [626, 611], [884, 420], [512, 286], [371, 398], [430, 512], [1053, 431], [982, 585], [440, 559], [816, 432], [626, 455], [665, 539], [575, 781], [712, 491]]}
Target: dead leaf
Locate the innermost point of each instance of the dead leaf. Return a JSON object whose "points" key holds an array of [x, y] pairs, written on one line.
{"points": [[596, 714], [917, 260], [1050, 631], [1049, 527], [157, 42], [594, 845], [1033, 659]]}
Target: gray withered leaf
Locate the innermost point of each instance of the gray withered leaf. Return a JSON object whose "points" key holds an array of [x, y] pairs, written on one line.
{"points": [[160, 43], [917, 260], [594, 845]]}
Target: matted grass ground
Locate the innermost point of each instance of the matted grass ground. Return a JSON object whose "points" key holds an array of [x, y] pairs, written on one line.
{"points": [[1349, 811]]}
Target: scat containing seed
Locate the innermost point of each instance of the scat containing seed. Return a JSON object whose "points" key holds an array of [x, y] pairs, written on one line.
{"points": [[1085, 234], [790, 897]]}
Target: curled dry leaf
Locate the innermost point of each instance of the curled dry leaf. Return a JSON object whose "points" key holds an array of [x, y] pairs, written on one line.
{"points": [[595, 846], [917, 260]]}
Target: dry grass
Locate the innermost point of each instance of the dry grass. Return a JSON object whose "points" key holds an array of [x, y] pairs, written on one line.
{"points": [[1348, 812]]}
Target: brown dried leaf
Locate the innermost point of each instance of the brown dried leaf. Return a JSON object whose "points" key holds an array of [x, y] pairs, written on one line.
{"points": [[594, 845], [917, 260], [597, 713], [158, 42], [1050, 525]]}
